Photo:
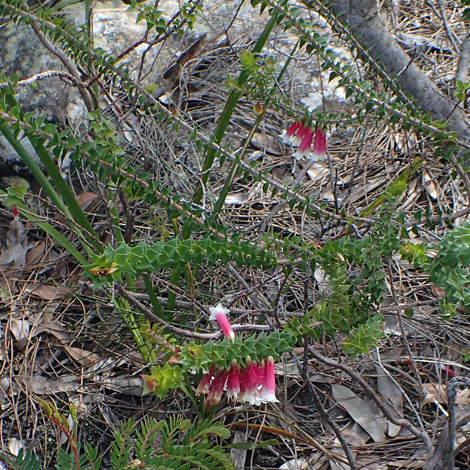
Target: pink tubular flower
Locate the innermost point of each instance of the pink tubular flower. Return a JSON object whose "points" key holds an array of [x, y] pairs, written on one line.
{"points": [[233, 382], [289, 134], [304, 148], [216, 388], [268, 390], [219, 313], [204, 384], [300, 134], [249, 383], [319, 147]]}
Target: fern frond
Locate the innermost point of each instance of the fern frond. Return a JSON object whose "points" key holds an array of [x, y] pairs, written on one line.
{"points": [[65, 461], [121, 452], [93, 459], [146, 436], [24, 461], [204, 429]]}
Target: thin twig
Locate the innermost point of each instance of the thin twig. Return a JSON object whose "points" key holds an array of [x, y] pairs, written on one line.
{"points": [[450, 36], [47, 74], [69, 65], [452, 386], [180, 331], [403, 332], [69, 438]]}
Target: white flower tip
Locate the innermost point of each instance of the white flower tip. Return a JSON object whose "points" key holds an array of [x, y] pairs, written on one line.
{"points": [[232, 395], [299, 156], [216, 310], [317, 157], [270, 398]]}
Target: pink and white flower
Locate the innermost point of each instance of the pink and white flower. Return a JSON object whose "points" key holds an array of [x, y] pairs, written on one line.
{"points": [[319, 147], [304, 147], [268, 389], [233, 382], [300, 134], [204, 384], [219, 313], [216, 388], [250, 381], [255, 383], [288, 135]]}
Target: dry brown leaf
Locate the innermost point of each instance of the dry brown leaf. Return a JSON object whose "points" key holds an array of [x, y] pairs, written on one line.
{"points": [[391, 393], [20, 329], [84, 357], [438, 292], [438, 393], [236, 199], [360, 411], [43, 386], [124, 384], [53, 328], [17, 245], [295, 464], [85, 199], [238, 455], [16, 233], [318, 170], [16, 255], [46, 292], [36, 254], [266, 143], [363, 460], [101, 272], [363, 190], [405, 141], [15, 445]]}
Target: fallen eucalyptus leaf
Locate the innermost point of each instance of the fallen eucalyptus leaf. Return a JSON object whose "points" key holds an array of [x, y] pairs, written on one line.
{"points": [[360, 411], [391, 393], [20, 329], [437, 393]]}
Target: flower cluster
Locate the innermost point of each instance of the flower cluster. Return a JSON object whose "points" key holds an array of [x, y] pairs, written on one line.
{"points": [[301, 135], [254, 382]]}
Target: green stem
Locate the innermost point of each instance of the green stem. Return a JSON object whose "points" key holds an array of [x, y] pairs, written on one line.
{"points": [[157, 308], [133, 323], [175, 277], [235, 164], [229, 108], [145, 348]]}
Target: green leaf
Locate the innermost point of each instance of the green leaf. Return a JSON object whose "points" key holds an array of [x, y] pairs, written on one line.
{"points": [[466, 15]]}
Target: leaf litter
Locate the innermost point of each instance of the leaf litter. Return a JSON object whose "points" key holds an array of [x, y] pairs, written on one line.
{"points": [[82, 350]]}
